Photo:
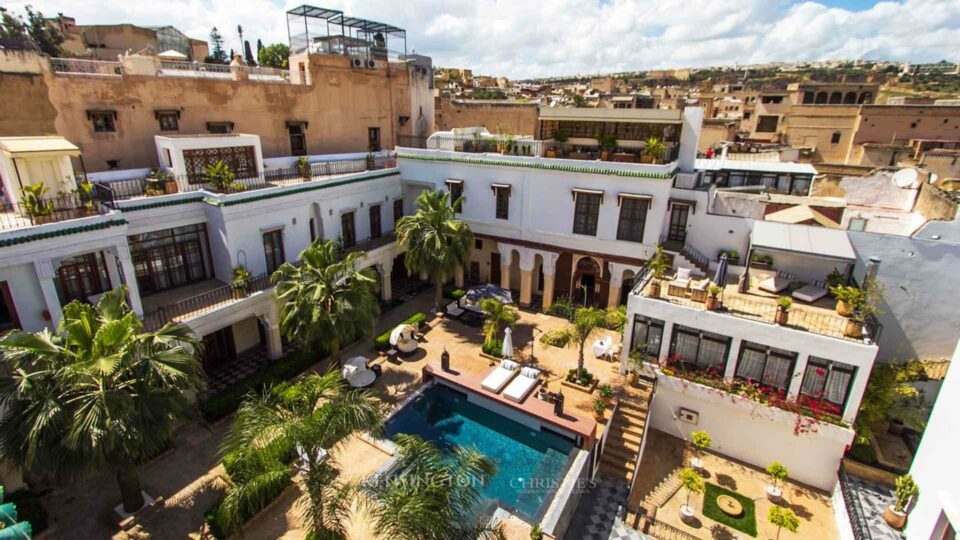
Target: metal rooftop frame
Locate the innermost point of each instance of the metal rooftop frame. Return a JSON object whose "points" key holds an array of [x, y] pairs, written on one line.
{"points": [[330, 31]]}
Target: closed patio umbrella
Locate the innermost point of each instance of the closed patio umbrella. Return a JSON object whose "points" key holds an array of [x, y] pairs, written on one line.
{"points": [[507, 351], [720, 278]]}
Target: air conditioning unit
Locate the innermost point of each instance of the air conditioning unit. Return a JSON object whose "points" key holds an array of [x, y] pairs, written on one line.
{"points": [[357, 62], [371, 64]]}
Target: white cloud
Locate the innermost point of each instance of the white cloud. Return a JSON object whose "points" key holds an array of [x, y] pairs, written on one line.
{"points": [[520, 38]]}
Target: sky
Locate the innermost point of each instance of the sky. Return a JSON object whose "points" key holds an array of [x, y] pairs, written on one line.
{"points": [[537, 38]]}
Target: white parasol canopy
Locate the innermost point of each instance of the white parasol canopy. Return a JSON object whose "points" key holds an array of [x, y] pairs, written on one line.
{"points": [[402, 332], [172, 55], [507, 351]]}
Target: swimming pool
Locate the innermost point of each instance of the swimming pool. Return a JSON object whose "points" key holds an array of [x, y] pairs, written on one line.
{"points": [[530, 464]]}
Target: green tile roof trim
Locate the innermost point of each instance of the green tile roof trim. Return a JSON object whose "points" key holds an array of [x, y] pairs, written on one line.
{"points": [[305, 188], [545, 166], [5, 242], [161, 204]]}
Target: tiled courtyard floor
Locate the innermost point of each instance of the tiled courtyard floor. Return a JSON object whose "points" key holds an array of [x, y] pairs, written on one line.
{"points": [[188, 477]]}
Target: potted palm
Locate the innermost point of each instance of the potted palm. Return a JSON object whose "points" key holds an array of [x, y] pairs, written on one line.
{"points": [[701, 441], [607, 142], [864, 306], [599, 406], [606, 393], [905, 491], [713, 300], [778, 473], [693, 483], [847, 297], [783, 310], [654, 149], [34, 205], [221, 177], [85, 193], [658, 266], [303, 167], [240, 282]]}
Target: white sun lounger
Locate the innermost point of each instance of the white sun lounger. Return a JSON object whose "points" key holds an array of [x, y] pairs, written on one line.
{"points": [[521, 387], [809, 293], [500, 376], [775, 285]]}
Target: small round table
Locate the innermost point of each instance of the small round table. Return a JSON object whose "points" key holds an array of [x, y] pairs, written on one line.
{"points": [[730, 506]]}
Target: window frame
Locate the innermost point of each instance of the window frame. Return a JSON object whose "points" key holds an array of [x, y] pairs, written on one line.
{"points": [[830, 366], [701, 335], [348, 241], [273, 235], [455, 189], [768, 353], [168, 115], [647, 323], [373, 211], [502, 202], [763, 120], [586, 212], [107, 124], [627, 225], [300, 135], [397, 211]]}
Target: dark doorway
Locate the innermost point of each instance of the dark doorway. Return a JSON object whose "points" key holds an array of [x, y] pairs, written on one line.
{"points": [[677, 232], [495, 268], [8, 312], [474, 276], [218, 348]]}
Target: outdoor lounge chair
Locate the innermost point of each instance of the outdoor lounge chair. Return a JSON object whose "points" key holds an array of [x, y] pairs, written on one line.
{"points": [[357, 374], [522, 385], [809, 293], [500, 376], [775, 284], [454, 310], [680, 284]]}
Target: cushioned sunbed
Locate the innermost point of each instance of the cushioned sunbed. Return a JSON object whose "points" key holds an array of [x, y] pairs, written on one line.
{"points": [[500, 376], [776, 284], [809, 293], [521, 386]]}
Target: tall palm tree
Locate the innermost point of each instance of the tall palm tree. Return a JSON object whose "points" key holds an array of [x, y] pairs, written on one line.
{"points": [[100, 392], [498, 315], [430, 496], [306, 420], [436, 243], [324, 299], [585, 321]]}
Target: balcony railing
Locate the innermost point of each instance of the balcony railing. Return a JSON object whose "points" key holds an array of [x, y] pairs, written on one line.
{"points": [[486, 145], [858, 520], [136, 187], [205, 302], [52, 210], [86, 67], [203, 70], [412, 141]]}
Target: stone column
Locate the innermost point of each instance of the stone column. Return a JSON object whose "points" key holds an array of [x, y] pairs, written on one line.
{"points": [[48, 289], [731, 369], [271, 323], [458, 278], [505, 269], [130, 278], [549, 274], [796, 378], [386, 280], [526, 286], [665, 342]]}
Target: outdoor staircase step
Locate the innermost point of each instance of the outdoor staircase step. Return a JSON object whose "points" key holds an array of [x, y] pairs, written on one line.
{"points": [[618, 462], [620, 453], [617, 440]]}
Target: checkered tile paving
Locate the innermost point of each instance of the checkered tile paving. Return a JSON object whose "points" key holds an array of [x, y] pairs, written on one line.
{"points": [[596, 516], [874, 498], [231, 373]]}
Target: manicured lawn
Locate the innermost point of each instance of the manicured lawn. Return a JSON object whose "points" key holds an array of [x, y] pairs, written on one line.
{"points": [[746, 523]]}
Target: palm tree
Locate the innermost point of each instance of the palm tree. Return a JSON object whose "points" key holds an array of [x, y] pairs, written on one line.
{"points": [[98, 393], [307, 419], [498, 315], [324, 300], [436, 243], [654, 148], [585, 321], [431, 496]]}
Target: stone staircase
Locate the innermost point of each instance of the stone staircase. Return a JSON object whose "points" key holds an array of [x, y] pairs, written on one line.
{"points": [[619, 459]]}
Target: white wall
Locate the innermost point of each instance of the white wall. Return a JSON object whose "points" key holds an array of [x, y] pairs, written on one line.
{"points": [[246, 334], [751, 432], [28, 300], [932, 465]]}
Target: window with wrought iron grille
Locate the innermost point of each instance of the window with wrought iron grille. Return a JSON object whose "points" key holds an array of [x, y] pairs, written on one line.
{"points": [[503, 202]]}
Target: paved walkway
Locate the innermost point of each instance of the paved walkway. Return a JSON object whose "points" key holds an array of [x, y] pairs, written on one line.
{"points": [[596, 517], [874, 498]]}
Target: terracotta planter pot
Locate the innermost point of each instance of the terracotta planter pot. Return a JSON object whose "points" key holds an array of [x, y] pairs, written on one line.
{"points": [[551, 153], [632, 378], [654, 289], [598, 416], [781, 317], [854, 329], [844, 309], [170, 187], [712, 303], [605, 155], [895, 519]]}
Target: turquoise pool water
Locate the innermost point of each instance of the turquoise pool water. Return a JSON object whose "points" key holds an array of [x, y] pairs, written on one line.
{"points": [[529, 463]]}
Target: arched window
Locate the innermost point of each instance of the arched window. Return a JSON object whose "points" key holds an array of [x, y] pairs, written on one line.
{"points": [[821, 97], [866, 97], [850, 97], [835, 98], [807, 98]]}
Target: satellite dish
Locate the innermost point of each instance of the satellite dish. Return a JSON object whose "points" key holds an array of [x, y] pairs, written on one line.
{"points": [[905, 178]]}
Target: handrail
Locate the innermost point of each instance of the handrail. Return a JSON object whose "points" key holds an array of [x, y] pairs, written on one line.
{"points": [[53, 209], [855, 511], [205, 302], [649, 525]]}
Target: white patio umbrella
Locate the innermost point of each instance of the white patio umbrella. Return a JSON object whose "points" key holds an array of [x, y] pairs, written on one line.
{"points": [[507, 351]]}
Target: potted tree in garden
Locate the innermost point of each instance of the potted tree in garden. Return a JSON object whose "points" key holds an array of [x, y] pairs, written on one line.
{"points": [[599, 406], [240, 282], [865, 306], [783, 518], [34, 205], [783, 310], [693, 483], [303, 167], [221, 177], [585, 321], [906, 490], [658, 267], [778, 473], [606, 393], [847, 297], [713, 300], [701, 441]]}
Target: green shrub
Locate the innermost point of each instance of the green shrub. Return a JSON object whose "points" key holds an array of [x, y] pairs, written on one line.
{"points": [[616, 318], [864, 453], [558, 337], [495, 348], [453, 293], [585, 378], [29, 509], [227, 401], [382, 342], [561, 308]]}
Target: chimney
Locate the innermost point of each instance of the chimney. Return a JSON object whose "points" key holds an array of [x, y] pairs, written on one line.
{"points": [[873, 266]]}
